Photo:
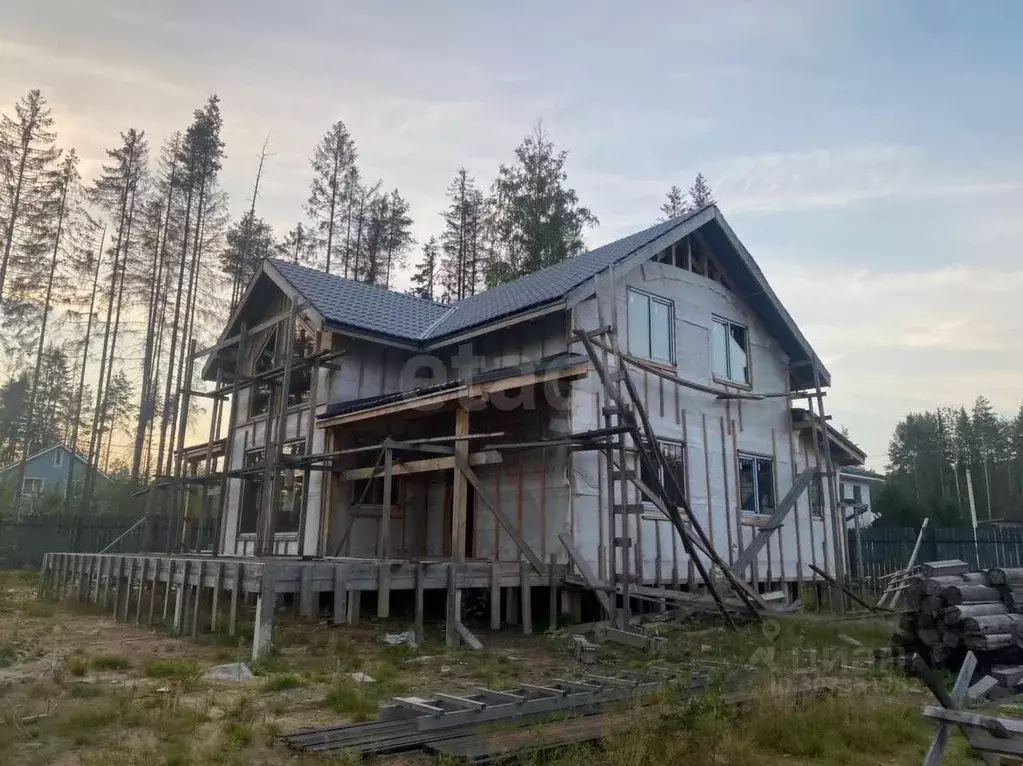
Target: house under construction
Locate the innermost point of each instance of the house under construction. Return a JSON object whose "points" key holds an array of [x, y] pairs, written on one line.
{"points": [[639, 422]]}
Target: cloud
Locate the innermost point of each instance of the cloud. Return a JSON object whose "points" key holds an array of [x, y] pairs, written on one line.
{"points": [[37, 57], [829, 178]]}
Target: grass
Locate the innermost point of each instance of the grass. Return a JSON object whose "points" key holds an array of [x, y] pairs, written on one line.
{"points": [[172, 669], [281, 682], [110, 662], [351, 699], [77, 667]]}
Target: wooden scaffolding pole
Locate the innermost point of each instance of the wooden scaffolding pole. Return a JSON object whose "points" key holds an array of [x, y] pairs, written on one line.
{"points": [[232, 423], [273, 444], [175, 536], [310, 435], [837, 520], [459, 510]]}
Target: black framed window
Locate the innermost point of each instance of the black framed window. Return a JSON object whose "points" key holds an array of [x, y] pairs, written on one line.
{"points": [[651, 327], [756, 485]]}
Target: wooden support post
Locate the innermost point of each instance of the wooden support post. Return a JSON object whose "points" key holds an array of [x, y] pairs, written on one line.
{"points": [[460, 492], [232, 420], [526, 593], [419, 607], [451, 637], [262, 634], [118, 564], [143, 565], [340, 594], [176, 533], [383, 590], [384, 528], [495, 595], [306, 594], [837, 521], [218, 576], [553, 586], [155, 567], [129, 581], [354, 606], [197, 598], [303, 514], [236, 593], [43, 571], [170, 588], [179, 600]]}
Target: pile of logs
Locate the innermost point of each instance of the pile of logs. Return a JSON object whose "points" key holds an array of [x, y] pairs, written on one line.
{"points": [[951, 611]]}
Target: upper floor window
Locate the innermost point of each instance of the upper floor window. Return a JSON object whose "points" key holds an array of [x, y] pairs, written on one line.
{"points": [[857, 494], [58, 458], [651, 327], [729, 351]]}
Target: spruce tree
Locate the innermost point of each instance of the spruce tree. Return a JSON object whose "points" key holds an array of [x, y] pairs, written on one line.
{"points": [[28, 158], [700, 194], [538, 217], [462, 240], [331, 190], [675, 204], [425, 275]]}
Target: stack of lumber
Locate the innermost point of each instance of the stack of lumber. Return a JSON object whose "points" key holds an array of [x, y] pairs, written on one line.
{"points": [[951, 610]]}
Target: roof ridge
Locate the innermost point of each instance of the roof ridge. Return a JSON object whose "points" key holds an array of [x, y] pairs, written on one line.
{"points": [[370, 285]]}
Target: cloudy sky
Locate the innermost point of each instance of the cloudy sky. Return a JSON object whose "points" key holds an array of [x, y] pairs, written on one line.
{"points": [[868, 153]]}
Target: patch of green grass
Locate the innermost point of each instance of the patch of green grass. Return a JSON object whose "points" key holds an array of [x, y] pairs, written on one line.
{"points": [[83, 723], [110, 662], [238, 734], [281, 682], [8, 653], [178, 670], [274, 662], [77, 667], [351, 699]]}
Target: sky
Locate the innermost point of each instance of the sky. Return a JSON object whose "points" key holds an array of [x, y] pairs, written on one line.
{"points": [[867, 153]]}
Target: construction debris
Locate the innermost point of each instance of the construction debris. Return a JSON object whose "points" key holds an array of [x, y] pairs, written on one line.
{"points": [[235, 672]]}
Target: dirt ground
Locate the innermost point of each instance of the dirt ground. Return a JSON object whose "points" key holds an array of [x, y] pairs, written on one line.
{"points": [[78, 688]]}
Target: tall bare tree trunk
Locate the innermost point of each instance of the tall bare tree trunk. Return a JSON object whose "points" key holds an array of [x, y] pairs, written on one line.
{"points": [[30, 415], [79, 397]]}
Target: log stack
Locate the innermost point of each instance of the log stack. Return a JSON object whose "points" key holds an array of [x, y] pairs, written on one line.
{"points": [[951, 610]]}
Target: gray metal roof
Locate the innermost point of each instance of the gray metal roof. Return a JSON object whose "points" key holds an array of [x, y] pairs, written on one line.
{"points": [[347, 303]]}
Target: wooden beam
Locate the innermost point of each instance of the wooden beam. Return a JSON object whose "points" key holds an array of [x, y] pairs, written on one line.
{"points": [[265, 324], [588, 575], [464, 391], [460, 493], [384, 530], [490, 457]]}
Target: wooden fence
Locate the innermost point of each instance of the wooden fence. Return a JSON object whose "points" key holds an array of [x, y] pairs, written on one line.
{"points": [[880, 551]]}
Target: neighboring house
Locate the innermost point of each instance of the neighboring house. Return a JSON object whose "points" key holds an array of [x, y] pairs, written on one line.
{"points": [[504, 366], [855, 484], [47, 471]]}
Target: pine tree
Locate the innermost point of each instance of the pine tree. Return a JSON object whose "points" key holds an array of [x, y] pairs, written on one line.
{"points": [[424, 277], [65, 194], [461, 241], [700, 194], [398, 239], [675, 204], [539, 220], [331, 191], [298, 246], [28, 158]]}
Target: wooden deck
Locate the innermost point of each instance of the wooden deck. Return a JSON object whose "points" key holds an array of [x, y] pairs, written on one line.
{"points": [[197, 592]]}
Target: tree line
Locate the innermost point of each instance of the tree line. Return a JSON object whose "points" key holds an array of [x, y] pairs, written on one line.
{"points": [[938, 458], [107, 282]]}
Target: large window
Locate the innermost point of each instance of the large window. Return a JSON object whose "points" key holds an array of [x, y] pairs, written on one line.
{"points": [[252, 492], [651, 327], [756, 485], [674, 456], [729, 351]]}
